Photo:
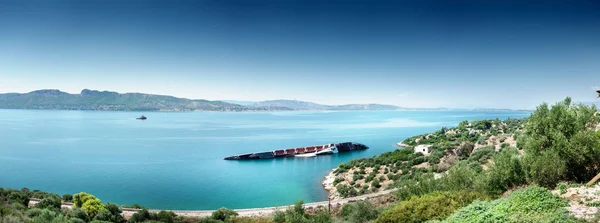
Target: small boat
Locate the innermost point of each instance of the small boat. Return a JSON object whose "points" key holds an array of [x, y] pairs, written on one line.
{"points": [[141, 118], [306, 155]]}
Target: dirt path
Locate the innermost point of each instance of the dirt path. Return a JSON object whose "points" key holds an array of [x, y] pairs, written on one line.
{"points": [[128, 212]]}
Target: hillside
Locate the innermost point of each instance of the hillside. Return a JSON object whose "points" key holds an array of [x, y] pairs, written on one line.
{"points": [[293, 104], [113, 101], [475, 141], [304, 105]]}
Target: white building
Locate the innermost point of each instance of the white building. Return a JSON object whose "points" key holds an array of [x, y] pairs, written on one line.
{"points": [[425, 149]]}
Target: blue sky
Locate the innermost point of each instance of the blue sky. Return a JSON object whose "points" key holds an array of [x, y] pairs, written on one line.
{"points": [[467, 54]]}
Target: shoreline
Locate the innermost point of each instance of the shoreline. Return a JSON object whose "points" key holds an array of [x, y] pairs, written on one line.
{"points": [[329, 187], [400, 144], [247, 212]]}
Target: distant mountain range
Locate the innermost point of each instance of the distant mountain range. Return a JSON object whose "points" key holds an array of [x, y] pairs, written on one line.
{"points": [[303, 105], [113, 101]]}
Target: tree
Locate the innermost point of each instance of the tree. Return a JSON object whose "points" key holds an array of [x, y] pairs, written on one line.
{"points": [[89, 203], [111, 212], [506, 172], [80, 198], [18, 197], [166, 216], [560, 144], [67, 197], [92, 206], [78, 213], [103, 215], [463, 125], [49, 202], [223, 214], [141, 216]]}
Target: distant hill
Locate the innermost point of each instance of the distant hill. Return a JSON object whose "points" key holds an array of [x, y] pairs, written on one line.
{"points": [[293, 104], [304, 105], [113, 101], [244, 103], [365, 107]]}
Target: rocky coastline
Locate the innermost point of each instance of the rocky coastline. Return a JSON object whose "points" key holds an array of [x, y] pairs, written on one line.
{"points": [[328, 185]]}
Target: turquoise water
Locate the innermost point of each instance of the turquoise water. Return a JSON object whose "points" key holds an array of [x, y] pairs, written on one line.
{"points": [[175, 160]]}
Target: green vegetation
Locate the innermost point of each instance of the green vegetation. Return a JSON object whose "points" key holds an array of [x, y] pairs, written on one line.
{"points": [[297, 214], [561, 144], [533, 204], [90, 204], [555, 144], [359, 212], [467, 142], [163, 216], [433, 206]]}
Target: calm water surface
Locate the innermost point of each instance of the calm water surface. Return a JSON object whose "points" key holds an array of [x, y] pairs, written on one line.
{"points": [[175, 160]]}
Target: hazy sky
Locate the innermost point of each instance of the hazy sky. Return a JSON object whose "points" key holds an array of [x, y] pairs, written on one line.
{"points": [[499, 54]]}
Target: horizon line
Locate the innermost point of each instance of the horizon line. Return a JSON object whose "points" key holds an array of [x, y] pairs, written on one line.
{"points": [[277, 99]]}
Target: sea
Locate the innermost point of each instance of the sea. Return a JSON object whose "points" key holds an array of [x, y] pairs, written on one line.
{"points": [[174, 160]]}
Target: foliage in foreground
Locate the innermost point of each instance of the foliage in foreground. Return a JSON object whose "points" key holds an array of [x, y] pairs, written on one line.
{"points": [[433, 206], [359, 212], [532, 204], [560, 144]]}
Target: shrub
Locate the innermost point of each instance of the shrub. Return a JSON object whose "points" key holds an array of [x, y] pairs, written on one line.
{"points": [[33, 212], [359, 212], [461, 176], [296, 213], [49, 202], [10, 219], [435, 156], [141, 216], [375, 183], [533, 204], [223, 214], [67, 197], [206, 220], [337, 180], [505, 173], [433, 206], [418, 160], [77, 213], [482, 154], [562, 188], [346, 191], [279, 217], [321, 216]]}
